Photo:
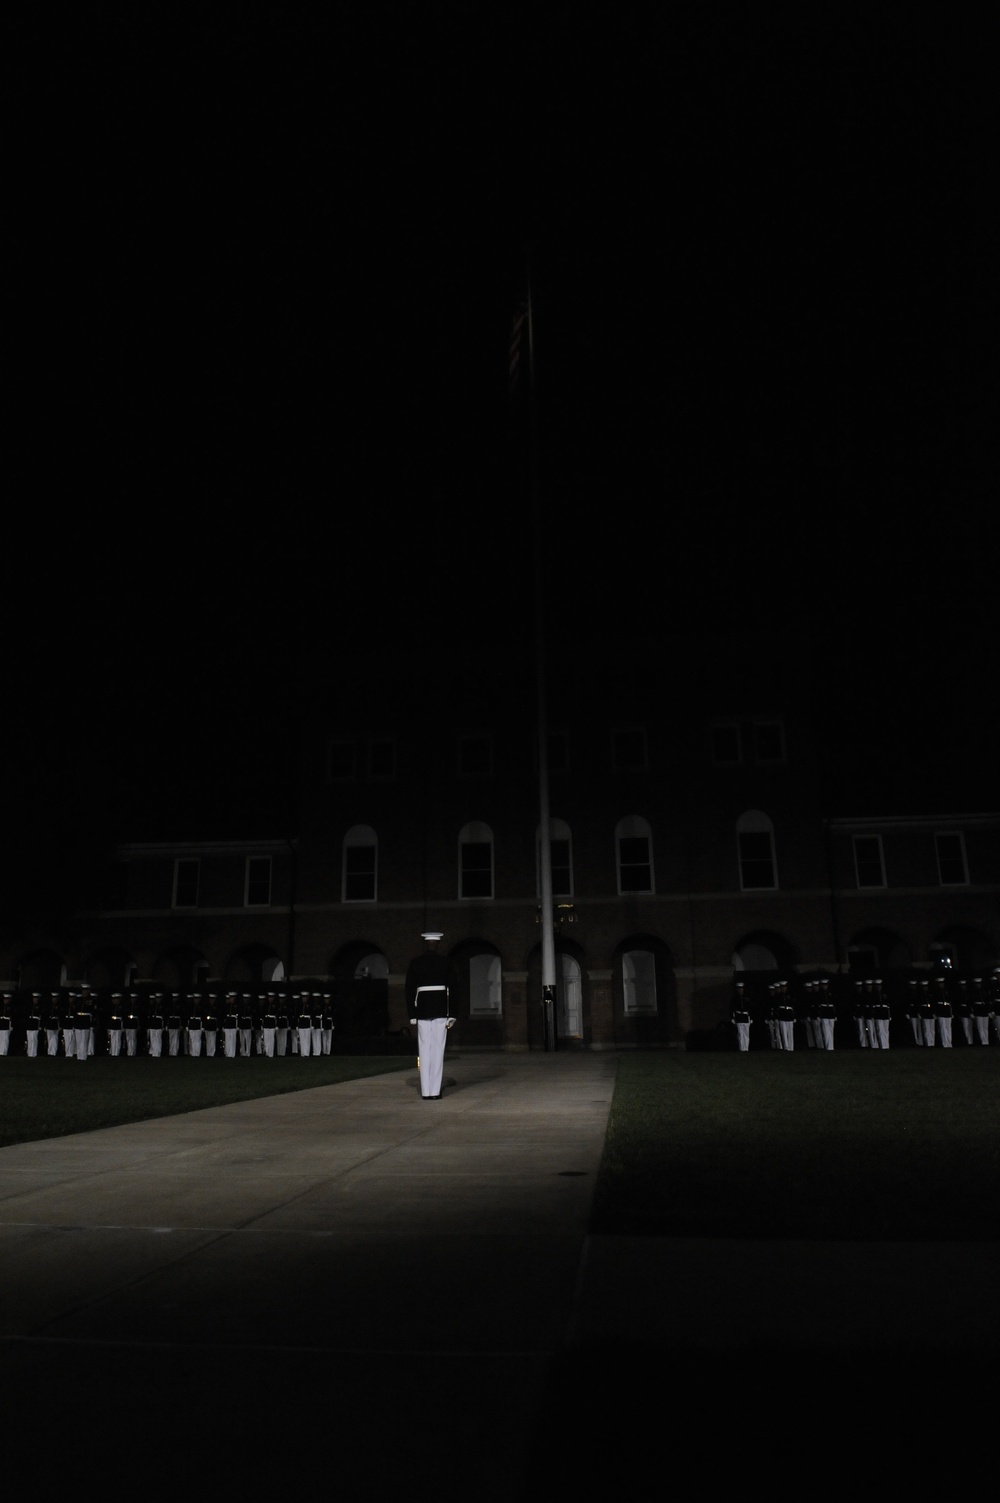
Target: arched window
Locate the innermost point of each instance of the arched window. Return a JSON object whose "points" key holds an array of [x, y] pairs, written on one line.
{"points": [[639, 981], [561, 849], [569, 998], [485, 992], [755, 846], [475, 861], [634, 854], [360, 870]]}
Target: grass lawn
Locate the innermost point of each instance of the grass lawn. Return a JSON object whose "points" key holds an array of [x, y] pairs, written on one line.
{"points": [[48, 1098], [900, 1144]]}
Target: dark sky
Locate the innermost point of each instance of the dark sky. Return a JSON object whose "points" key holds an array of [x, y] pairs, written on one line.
{"points": [[266, 275]]}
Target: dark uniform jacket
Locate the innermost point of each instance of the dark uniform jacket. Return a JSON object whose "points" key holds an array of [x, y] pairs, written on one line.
{"points": [[429, 969]]}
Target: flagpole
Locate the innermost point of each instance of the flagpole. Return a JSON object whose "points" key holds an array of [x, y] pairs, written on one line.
{"points": [[548, 998]]}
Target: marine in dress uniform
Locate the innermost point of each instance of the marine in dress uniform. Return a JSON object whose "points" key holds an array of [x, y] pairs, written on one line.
{"points": [[741, 1019], [195, 1032], [230, 1026], [809, 1018], [327, 1023], [154, 1026], [268, 1026], [859, 1014], [303, 1026], [116, 1026], [826, 1015], [281, 1032], [69, 1028], [174, 1025], [980, 1010], [913, 1012], [881, 1016], [429, 980], [132, 1027], [927, 1019], [6, 1025], [785, 1014], [85, 1027], [52, 1026], [963, 1011], [943, 1013], [211, 1025], [33, 1026], [317, 1023], [246, 1026]]}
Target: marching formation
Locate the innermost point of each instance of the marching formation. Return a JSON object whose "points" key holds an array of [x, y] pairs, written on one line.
{"points": [[925, 1012], [233, 1024]]}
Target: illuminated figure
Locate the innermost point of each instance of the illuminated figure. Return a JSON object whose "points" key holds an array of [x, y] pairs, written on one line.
{"points": [[429, 979]]}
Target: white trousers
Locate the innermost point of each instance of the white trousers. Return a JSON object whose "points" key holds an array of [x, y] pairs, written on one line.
{"points": [[31, 1043], [826, 1033], [743, 1037], [304, 1036], [194, 1036], [431, 1035]]}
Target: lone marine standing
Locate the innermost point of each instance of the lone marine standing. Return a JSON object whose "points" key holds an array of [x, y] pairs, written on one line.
{"points": [[429, 980]]}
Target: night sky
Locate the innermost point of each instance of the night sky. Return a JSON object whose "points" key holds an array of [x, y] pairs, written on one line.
{"points": [[266, 276]]}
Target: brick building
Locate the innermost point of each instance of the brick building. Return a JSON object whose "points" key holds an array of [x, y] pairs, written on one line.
{"points": [[693, 835]]}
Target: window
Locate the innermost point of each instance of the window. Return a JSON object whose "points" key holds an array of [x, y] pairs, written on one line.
{"points": [[186, 883], [341, 761], [475, 756], [755, 843], [382, 758], [475, 861], [952, 868], [360, 873], [257, 883], [634, 848], [868, 863], [768, 742], [561, 856], [639, 981], [727, 746], [628, 750], [485, 995]]}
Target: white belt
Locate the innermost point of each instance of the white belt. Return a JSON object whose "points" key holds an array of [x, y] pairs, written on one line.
{"points": [[431, 989]]}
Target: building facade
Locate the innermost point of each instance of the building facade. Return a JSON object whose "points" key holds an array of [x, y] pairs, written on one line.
{"points": [[691, 841]]}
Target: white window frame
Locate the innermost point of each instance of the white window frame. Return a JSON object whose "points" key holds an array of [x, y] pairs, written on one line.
{"points": [[958, 835]]}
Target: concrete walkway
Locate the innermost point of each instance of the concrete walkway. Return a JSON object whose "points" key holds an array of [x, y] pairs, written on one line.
{"points": [[328, 1282]]}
